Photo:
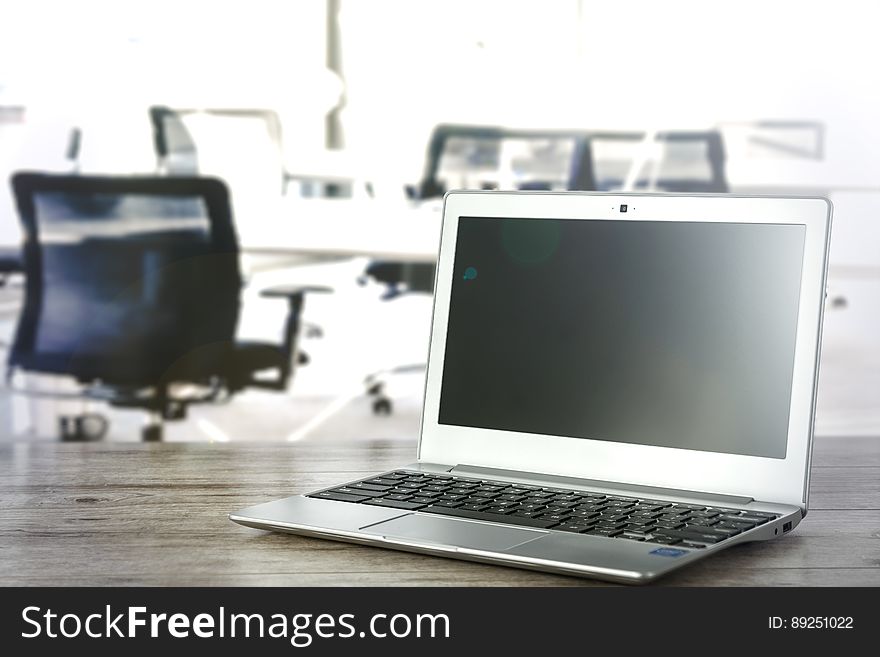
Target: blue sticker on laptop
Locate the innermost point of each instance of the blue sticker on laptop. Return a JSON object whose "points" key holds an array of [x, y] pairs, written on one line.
{"points": [[668, 552]]}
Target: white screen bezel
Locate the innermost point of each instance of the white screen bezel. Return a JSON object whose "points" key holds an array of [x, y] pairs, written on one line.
{"points": [[769, 479]]}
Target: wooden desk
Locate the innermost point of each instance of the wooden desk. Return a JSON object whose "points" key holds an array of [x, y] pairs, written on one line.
{"points": [[139, 514]]}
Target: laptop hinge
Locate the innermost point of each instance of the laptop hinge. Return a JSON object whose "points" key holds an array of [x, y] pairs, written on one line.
{"points": [[595, 484]]}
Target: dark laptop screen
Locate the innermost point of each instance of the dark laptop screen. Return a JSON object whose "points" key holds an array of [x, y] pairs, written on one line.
{"points": [[651, 332]]}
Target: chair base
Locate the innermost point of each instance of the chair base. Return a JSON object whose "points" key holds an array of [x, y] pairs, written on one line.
{"points": [[152, 432], [377, 382], [85, 427]]}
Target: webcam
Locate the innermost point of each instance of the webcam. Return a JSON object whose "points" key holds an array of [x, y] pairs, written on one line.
{"points": [[623, 207]]}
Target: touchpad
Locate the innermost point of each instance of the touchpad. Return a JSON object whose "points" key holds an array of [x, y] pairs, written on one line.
{"points": [[456, 533]]}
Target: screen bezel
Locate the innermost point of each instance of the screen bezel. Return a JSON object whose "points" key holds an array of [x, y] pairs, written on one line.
{"points": [[765, 478]]}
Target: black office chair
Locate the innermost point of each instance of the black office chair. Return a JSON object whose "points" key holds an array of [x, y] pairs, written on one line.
{"points": [[692, 162], [132, 289], [470, 157]]}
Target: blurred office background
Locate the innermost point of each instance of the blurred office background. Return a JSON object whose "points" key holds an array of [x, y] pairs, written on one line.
{"points": [[322, 118]]}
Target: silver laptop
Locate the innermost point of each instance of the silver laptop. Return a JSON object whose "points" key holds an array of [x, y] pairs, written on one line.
{"points": [[618, 385]]}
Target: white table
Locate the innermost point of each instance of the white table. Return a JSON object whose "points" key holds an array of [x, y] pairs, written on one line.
{"points": [[401, 232]]}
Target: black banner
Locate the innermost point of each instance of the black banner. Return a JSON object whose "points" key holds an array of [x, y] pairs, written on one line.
{"points": [[432, 620]]}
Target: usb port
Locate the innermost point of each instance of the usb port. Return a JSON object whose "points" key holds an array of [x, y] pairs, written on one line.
{"points": [[786, 527]]}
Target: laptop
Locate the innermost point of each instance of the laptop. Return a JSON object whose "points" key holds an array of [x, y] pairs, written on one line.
{"points": [[618, 385]]}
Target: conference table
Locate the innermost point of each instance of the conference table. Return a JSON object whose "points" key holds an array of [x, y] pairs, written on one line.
{"points": [[402, 231]]}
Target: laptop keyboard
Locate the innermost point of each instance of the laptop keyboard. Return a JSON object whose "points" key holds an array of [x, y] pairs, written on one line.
{"points": [[556, 509]]}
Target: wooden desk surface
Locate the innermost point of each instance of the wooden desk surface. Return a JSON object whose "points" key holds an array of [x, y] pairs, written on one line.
{"points": [[138, 514]]}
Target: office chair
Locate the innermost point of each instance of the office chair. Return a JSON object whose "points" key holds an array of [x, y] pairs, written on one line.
{"points": [[177, 147], [481, 157], [133, 290], [172, 142], [691, 161], [489, 157], [544, 159]]}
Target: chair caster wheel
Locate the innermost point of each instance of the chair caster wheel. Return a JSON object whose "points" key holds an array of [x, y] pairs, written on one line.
{"points": [[152, 433], [382, 406], [83, 428]]}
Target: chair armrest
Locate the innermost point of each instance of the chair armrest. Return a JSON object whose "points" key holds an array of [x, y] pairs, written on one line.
{"points": [[290, 291]]}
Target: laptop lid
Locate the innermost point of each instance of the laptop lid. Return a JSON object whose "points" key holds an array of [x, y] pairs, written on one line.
{"points": [[660, 340]]}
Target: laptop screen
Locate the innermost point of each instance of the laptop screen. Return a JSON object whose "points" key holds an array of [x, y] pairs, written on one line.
{"points": [[649, 332]]}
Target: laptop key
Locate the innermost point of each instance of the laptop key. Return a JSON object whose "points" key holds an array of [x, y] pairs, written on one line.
{"points": [[364, 486], [575, 529], [664, 540], [692, 535], [556, 517], [381, 481], [340, 497], [447, 503], [356, 491], [730, 531], [394, 504], [742, 526], [490, 517], [702, 522], [669, 525], [604, 524], [599, 531]]}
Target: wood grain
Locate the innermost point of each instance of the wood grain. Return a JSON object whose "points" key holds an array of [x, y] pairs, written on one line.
{"points": [[136, 514]]}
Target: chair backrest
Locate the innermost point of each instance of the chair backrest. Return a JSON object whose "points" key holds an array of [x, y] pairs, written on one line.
{"points": [[488, 157], [680, 161], [232, 143], [175, 148], [129, 279]]}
